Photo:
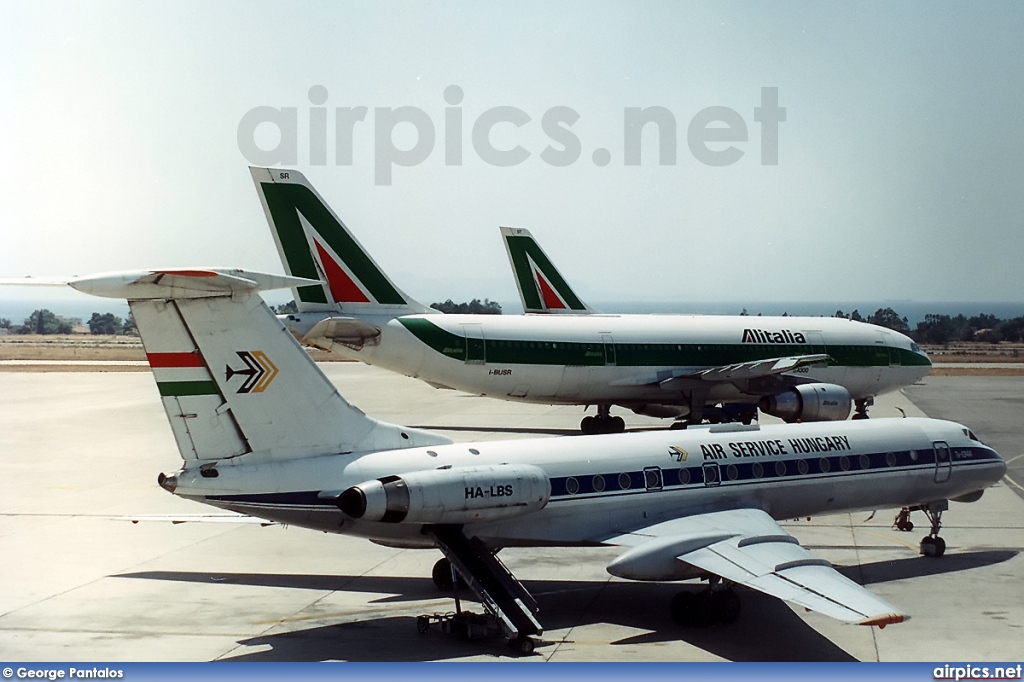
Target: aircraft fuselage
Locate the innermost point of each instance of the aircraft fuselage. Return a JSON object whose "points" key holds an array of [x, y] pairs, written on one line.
{"points": [[605, 486], [623, 359]]}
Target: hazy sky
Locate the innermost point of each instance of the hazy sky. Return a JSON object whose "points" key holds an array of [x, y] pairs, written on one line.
{"points": [[900, 168]]}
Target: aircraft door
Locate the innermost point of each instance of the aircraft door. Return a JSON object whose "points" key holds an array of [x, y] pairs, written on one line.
{"points": [[891, 349], [653, 478], [712, 476], [475, 349], [943, 461], [609, 349], [816, 342]]}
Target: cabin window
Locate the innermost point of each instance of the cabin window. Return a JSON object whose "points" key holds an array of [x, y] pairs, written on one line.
{"points": [[801, 466], [824, 465], [624, 482], [865, 462], [474, 451], [572, 486], [780, 468], [757, 470], [598, 483], [732, 472], [890, 459], [844, 463], [684, 476], [913, 455]]}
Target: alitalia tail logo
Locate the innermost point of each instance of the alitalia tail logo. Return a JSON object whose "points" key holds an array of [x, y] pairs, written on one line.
{"points": [[259, 371], [764, 336]]}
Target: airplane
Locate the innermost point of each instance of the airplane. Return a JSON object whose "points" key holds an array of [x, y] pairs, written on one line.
{"points": [[668, 366], [261, 431]]}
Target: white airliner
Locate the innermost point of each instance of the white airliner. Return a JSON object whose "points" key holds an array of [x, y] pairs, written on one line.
{"points": [[673, 366], [263, 432]]}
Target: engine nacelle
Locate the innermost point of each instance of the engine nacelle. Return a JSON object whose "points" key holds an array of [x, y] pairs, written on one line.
{"points": [[454, 495], [809, 403]]}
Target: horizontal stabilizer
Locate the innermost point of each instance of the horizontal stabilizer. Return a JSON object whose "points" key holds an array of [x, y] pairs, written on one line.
{"points": [[181, 283]]}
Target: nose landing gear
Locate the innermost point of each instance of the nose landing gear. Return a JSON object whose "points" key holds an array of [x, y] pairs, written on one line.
{"points": [[861, 406], [931, 545]]}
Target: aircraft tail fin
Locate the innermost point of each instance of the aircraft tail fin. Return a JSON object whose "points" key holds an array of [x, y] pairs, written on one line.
{"points": [[542, 289], [315, 244], [231, 378]]}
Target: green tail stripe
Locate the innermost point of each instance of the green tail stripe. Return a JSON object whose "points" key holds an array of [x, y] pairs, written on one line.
{"points": [[526, 352], [177, 389], [285, 203], [519, 247]]}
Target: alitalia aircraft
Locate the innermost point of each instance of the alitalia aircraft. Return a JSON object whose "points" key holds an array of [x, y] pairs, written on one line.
{"points": [[672, 366], [262, 431]]}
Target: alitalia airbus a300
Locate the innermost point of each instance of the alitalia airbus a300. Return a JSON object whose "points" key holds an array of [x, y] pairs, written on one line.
{"points": [[263, 432], [672, 366]]}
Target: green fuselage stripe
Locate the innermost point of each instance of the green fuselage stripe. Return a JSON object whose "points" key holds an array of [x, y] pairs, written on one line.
{"points": [[525, 352], [178, 389]]}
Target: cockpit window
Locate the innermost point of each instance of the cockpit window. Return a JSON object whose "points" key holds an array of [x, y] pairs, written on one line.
{"points": [[914, 347], [970, 434]]}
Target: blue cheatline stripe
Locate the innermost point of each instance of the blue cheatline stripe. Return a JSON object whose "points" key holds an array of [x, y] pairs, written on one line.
{"points": [[683, 476]]}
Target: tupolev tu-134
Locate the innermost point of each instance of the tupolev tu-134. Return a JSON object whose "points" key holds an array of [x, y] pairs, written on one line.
{"points": [[670, 366], [263, 432]]}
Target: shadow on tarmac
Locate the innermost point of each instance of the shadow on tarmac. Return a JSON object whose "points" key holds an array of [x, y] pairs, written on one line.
{"points": [[767, 630]]}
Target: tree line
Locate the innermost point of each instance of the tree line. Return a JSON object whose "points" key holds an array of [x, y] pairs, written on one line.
{"points": [[44, 321], [943, 329], [934, 329]]}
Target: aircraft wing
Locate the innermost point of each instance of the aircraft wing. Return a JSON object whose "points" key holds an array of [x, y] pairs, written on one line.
{"points": [[742, 371], [747, 547]]}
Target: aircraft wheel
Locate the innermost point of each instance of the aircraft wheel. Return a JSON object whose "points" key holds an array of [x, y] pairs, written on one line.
{"points": [[588, 425], [905, 526], [422, 624], [726, 606], [617, 425], [680, 607], [678, 426], [522, 645], [692, 610], [933, 546], [442, 576], [859, 415]]}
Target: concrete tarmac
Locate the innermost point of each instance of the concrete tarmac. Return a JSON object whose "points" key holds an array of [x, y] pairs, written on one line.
{"points": [[80, 452]]}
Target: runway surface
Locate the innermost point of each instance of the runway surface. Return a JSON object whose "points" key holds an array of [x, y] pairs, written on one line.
{"points": [[80, 452]]}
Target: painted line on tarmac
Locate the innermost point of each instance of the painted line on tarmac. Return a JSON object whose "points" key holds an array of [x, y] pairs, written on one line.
{"points": [[1008, 477]]}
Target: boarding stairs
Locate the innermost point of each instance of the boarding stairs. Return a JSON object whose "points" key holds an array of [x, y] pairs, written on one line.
{"points": [[500, 593]]}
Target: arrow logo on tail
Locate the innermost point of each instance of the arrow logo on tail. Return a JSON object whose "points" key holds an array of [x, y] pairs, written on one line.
{"points": [[259, 371]]}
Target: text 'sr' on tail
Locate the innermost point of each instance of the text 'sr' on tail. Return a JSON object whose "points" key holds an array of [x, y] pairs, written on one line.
{"points": [[315, 244], [542, 289]]}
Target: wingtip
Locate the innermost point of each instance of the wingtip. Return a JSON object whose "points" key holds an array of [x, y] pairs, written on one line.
{"points": [[887, 619]]}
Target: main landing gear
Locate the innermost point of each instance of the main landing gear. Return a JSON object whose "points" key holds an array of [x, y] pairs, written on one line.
{"points": [[931, 545], [717, 604], [604, 422], [861, 405]]}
